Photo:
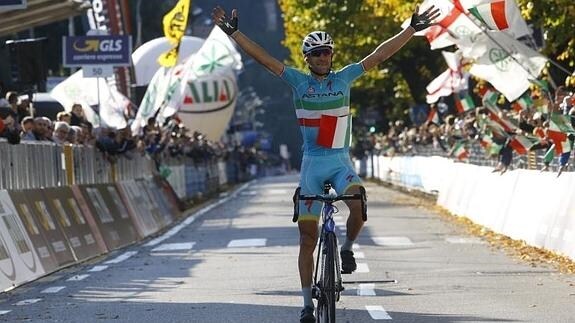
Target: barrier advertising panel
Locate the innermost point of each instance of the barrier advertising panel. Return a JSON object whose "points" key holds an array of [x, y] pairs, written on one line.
{"points": [[145, 215], [157, 199], [45, 233], [61, 203], [19, 262], [114, 222]]}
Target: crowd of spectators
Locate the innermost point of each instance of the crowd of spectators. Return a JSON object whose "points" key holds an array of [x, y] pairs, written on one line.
{"points": [[159, 142], [502, 130]]}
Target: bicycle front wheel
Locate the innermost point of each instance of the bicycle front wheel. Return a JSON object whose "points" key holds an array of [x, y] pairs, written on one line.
{"points": [[326, 303]]}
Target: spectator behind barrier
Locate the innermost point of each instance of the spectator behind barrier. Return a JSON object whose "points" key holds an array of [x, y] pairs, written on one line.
{"points": [[9, 131]]}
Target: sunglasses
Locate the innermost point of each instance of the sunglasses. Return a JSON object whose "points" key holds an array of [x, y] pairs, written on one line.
{"points": [[319, 52]]}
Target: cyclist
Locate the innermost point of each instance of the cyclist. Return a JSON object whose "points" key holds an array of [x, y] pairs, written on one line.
{"points": [[321, 99]]}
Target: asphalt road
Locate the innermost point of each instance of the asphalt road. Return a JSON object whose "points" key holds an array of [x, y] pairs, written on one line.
{"points": [[235, 260]]}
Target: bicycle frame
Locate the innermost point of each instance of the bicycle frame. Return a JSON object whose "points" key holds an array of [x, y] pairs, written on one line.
{"points": [[327, 289]]}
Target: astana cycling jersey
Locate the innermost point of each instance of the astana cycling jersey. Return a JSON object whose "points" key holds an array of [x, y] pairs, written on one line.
{"points": [[322, 108]]}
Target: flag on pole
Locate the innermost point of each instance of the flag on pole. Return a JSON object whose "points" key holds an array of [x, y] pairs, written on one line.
{"points": [[174, 23], [503, 15], [559, 129], [497, 115], [522, 144], [506, 64], [463, 102], [459, 151], [523, 103]]}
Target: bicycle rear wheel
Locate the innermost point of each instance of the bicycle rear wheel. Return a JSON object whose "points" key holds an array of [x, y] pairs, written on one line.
{"points": [[326, 302]]}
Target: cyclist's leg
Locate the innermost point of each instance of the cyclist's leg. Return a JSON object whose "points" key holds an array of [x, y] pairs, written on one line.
{"points": [[346, 181], [311, 183]]}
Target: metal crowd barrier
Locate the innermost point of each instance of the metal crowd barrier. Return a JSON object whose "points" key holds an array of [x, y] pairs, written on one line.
{"points": [[31, 165]]}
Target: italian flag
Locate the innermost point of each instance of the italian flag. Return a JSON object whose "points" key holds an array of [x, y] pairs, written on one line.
{"points": [[458, 151], [559, 128], [464, 102], [496, 115], [489, 96], [334, 132], [523, 103], [501, 15], [521, 144]]}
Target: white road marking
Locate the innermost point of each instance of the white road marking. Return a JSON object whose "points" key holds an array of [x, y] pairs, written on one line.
{"points": [[175, 246], [247, 243], [5, 312], [97, 268], [464, 240], [377, 312], [121, 257], [362, 267], [392, 241], [366, 290], [358, 255], [192, 218], [276, 192], [28, 301], [78, 277], [355, 246], [52, 290], [248, 193]]}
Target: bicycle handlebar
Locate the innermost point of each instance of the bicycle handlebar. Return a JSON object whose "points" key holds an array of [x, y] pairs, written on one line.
{"points": [[330, 199]]}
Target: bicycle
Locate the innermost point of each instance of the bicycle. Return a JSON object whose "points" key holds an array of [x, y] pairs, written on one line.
{"points": [[328, 287]]}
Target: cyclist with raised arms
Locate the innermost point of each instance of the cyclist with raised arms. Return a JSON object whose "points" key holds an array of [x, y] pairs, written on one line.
{"points": [[321, 98]]}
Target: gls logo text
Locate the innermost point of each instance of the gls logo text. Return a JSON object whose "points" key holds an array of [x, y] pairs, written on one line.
{"points": [[96, 45]]}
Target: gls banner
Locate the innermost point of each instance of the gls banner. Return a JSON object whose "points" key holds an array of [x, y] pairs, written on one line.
{"points": [[113, 50]]}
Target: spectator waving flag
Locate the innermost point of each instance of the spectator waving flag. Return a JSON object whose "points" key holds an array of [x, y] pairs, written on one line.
{"points": [[175, 23], [503, 15]]}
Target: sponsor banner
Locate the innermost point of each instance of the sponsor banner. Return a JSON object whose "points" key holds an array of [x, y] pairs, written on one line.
{"points": [[43, 229], [113, 221], [158, 200], [81, 238], [146, 216], [113, 50], [19, 262]]}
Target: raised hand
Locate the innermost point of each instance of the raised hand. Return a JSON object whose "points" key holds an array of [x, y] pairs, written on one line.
{"points": [[227, 24], [421, 21]]}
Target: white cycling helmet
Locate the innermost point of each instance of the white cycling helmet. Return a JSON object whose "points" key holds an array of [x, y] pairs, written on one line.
{"points": [[316, 39]]}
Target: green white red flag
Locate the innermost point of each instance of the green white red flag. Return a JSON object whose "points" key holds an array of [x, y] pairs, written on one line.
{"points": [[559, 129], [502, 15], [522, 144], [523, 103], [459, 151], [463, 102]]}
